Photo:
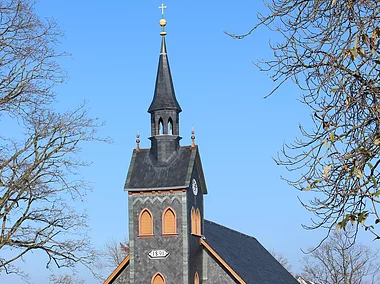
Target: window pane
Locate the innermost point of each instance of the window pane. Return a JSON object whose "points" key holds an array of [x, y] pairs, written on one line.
{"points": [[146, 226], [169, 222]]}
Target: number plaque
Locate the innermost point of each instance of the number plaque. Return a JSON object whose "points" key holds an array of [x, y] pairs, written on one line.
{"points": [[158, 254]]}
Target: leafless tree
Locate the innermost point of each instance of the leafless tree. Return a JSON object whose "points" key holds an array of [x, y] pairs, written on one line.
{"points": [[65, 279], [39, 162], [330, 50], [338, 261], [115, 252]]}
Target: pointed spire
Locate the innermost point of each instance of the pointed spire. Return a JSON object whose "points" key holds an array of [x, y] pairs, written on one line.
{"points": [[164, 95], [163, 46]]}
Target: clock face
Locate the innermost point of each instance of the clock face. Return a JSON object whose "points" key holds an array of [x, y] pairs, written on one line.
{"points": [[194, 186]]}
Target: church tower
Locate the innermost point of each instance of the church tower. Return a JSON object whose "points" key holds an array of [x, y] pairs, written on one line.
{"points": [[165, 185], [170, 242]]}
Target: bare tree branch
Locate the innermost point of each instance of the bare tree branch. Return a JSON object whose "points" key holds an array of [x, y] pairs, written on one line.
{"points": [[330, 50], [338, 261], [39, 168]]}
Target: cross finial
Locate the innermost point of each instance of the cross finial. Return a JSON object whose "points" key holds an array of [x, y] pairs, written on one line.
{"points": [[192, 137], [162, 7], [162, 21], [138, 141]]}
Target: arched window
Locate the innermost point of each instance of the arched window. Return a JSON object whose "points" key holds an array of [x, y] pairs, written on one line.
{"points": [[196, 278], [160, 126], [198, 222], [193, 221], [169, 222], [170, 126], [158, 278], [145, 223]]}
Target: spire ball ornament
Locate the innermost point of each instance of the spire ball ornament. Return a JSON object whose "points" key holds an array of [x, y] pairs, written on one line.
{"points": [[162, 22]]}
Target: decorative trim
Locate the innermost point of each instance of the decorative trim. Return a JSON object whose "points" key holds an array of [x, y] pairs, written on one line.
{"points": [[152, 200], [146, 236], [117, 271], [222, 262]]}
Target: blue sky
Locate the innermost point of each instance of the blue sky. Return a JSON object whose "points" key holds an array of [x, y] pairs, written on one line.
{"points": [[115, 48]]}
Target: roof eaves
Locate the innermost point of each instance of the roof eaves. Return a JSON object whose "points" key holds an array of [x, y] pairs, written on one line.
{"points": [[200, 171], [195, 160], [190, 166], [131, 166], [222, 262], [180, 187], [117, 271]]}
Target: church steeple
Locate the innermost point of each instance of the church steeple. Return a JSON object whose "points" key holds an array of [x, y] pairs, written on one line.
{"points": [[164, 95], [164, 108]]}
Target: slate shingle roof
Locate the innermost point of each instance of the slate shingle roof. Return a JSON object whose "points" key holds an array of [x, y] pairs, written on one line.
{"points": [[246, 256], [164, 96], [145, 174]]}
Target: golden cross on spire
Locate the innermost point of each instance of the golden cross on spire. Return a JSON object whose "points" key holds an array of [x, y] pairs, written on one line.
{"points": [[162, 7], [162, 21]]}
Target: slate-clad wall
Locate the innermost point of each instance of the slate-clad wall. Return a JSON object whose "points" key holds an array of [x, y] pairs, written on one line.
{"points": [[164, 115], [123, 277], [195, 248], [142, 268], [213, 273]]}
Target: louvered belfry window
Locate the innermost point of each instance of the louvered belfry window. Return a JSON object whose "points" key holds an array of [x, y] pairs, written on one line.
{"points": [[169, 222], [158, 279], [146, 223]]}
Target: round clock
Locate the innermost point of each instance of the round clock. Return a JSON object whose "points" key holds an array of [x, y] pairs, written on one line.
{"points": [[194, 186]]}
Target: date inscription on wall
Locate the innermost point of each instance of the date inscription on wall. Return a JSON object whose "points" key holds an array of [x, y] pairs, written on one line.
{"points": [[158, 254]]}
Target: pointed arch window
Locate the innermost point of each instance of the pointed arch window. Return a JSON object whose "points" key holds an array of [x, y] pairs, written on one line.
{"points": [[169, 222], [170, 126], [145, 223], [196, 278], [158, 278], [193, 221], [198, 222], [160, 126]]}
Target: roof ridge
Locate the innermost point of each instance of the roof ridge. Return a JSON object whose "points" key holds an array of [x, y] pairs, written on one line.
{"points": [[232, 230], [148, 149]]}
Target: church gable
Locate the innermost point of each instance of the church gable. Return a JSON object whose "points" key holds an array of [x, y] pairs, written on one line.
{"points": [[121, 274]]}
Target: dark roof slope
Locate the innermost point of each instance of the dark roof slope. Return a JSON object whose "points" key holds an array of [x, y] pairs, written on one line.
{"points": [[246, 256], [145, 174], [164, 96]]}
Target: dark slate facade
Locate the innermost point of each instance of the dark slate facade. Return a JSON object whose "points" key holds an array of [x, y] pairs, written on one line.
{"points": [[168, 175], [140, 263]]}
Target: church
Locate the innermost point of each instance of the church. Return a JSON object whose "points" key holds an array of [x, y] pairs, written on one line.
{"points": [[170, 242]]}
